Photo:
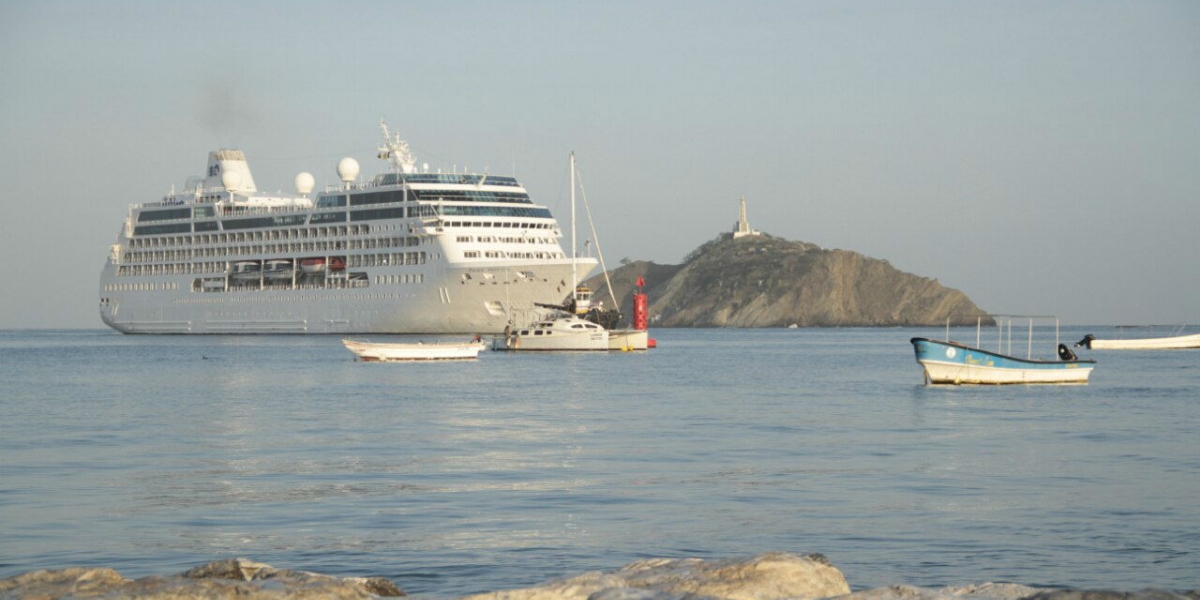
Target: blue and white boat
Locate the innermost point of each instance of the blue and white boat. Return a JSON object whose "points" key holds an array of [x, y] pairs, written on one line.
{"points": [[946, 361]]}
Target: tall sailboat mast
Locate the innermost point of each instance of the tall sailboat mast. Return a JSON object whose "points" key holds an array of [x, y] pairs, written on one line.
{"points": [[574, 275]]}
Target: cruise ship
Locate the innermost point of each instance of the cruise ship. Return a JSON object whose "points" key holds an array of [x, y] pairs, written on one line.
{"points": [[407, 252]]}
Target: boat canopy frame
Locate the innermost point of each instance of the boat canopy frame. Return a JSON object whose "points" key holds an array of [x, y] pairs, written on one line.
{"points": [[1004, 322]]}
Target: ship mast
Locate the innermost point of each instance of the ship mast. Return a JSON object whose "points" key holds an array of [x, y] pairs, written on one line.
{"points": [[574, 276], [396, 150]]}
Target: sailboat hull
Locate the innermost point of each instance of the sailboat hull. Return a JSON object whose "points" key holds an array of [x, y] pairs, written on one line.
{"points": [[628, 339]]}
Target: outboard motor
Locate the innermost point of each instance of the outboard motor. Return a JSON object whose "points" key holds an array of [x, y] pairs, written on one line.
{"points": [[1064, 353], [1086, 342]]}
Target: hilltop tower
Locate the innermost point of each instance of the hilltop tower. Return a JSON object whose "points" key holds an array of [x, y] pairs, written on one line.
{"points": [[742, 229]]}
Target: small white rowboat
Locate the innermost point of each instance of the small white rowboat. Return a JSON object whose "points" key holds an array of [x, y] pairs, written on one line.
{"points": [[414, 351], [1178, 342]]}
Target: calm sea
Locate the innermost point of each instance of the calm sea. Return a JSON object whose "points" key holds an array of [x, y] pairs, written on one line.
{"points": [[154, 454]]}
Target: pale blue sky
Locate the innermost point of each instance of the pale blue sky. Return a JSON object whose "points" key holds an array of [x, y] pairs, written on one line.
{"points": [[1042, 157]]}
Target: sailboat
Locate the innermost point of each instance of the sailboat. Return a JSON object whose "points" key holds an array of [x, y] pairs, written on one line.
{"points": [[618, 339], [564, 329]]}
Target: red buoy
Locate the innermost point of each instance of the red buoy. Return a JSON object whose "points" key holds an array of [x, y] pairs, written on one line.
{"points": [[640, 320], [639, 312]]}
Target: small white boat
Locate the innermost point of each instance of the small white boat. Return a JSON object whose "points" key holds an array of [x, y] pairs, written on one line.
{"points": [[1175, 342], [944, 361], [413, 351], [564, 332]]}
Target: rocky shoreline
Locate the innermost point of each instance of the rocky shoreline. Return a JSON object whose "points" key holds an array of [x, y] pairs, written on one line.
{"points": [[768, 576]]}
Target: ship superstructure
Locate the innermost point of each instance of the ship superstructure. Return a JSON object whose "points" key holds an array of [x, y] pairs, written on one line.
{"points": [[408, 252]]}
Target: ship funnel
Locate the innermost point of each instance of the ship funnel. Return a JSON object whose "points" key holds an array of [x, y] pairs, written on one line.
{"points": [[228, 169]]}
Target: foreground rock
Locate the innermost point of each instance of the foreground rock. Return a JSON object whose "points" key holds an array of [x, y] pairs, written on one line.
{"points": [[766, 576], [1010, 591], [769, 576], [235, 578]]}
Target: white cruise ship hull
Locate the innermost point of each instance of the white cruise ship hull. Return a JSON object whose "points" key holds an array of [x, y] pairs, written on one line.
{"points": [[444, 303]]}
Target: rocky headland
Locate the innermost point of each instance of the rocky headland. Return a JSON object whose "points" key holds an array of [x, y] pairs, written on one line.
{"points": [[764, 281], [768, 576]]}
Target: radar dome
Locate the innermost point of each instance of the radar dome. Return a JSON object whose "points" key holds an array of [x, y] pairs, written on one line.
{"points": [[304, 183], [231, 180], [347, 169]]}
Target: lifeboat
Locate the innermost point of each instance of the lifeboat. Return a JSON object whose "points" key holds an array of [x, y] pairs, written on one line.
{"points": [[245, 270], [278, 269], [312, 265], [337, 263]]}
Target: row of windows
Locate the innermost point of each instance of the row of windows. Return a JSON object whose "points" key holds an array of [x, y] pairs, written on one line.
{"points": [[171, 269], [532, 255], [162, 229], [551, 331], [386, 260], [470, 179], [231, 251], [278, 220], [274, 299], [260, 222], [356, 280], [201, 211], [231, 224], [185, 253], [378, 213], [187, 268], [164, 215], [470, 196], [400, 279], [424, 210], [304, 233], [331, 201], [328, 217], [259, 236], [493, 239], [505, 224], [291, 248], [142, 286], [377, 198], [497, 211], [499, 254]]}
